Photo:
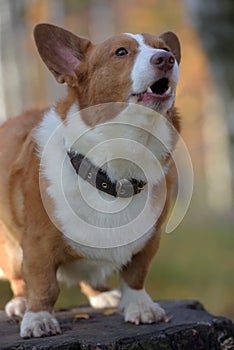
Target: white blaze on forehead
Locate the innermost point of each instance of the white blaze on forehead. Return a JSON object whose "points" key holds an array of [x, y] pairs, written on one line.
{"points": [[138, 37], [143, 73]]}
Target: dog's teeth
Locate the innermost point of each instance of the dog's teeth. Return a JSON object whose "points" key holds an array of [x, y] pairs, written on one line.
{"points": [[149, 90], [140, 94], [169, 90]]}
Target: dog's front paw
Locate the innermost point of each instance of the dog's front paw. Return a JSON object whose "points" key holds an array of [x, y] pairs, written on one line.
{"points": [[105, 299], [16, 307], [39, 324], [138, 307]]}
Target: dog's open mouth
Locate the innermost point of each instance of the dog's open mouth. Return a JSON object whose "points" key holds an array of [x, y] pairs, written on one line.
{"points": [[160, 87], [160, 90]]}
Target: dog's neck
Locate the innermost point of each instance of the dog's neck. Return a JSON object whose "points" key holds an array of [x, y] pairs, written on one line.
{"points": [[99, 179], [116, 146]]}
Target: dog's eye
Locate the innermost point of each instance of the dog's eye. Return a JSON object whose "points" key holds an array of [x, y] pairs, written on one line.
{"points": [[165, 49], [121, 51]]}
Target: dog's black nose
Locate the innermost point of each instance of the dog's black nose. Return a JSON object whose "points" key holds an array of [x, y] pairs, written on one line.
{"points": [[163, 60]]}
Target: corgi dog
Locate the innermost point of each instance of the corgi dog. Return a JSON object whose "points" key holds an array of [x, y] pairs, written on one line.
{"points": [[85, 185]]}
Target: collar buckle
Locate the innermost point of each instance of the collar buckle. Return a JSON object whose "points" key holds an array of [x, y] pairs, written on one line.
{"points": [[124, 188], [98, 178]]}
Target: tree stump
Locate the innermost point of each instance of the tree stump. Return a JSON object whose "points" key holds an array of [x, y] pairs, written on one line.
{"points": [[189, 327]]}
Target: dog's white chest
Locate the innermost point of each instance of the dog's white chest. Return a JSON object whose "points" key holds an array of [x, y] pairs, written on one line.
{"points": [[97, 225]]}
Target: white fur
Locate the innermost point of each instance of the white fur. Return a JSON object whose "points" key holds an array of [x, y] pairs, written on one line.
{"points": [[16, 307], [2, 274], [105, 299], [92, 221], [138, 307], [138, 134], [90, 271], [134, 144], [143, 73], [38, 324]]}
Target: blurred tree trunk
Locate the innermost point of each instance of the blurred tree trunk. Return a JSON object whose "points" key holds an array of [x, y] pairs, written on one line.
{"points": [[3, 10], [214, 22], [10, 100], [100, 30]]}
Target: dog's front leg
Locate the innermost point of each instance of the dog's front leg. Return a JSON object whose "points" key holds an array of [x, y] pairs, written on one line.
{"points": [[42, 292], [136, 304]]}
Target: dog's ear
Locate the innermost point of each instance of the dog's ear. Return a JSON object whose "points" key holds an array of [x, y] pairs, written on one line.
{"points": [[172, 41], [61, 50]]}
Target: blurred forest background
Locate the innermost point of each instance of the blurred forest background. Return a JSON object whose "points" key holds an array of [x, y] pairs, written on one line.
{"points": [[196, 261]]}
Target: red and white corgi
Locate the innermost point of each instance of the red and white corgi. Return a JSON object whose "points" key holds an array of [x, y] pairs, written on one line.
{"points": [[85, 186]]}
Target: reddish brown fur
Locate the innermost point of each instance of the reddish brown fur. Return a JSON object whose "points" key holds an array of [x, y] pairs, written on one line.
{"points": [[23, 217], [92, 291], [165, 40], [19, 188], [135, 272], [94, 90]]}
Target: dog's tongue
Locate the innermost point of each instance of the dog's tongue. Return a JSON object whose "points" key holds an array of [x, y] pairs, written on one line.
{"points": [[147, 97]]}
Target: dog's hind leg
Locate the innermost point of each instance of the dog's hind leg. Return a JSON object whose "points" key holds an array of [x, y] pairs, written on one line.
{"points": [[17, 305], [101, 296], [10, 263]]}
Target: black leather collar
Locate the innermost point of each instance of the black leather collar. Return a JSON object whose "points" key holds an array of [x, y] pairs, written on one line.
{"points": [[98, 178]]}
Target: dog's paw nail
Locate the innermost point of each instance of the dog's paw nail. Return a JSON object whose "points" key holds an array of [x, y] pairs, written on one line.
{"points": [[138, 307], [39, 324], [16, 307]]}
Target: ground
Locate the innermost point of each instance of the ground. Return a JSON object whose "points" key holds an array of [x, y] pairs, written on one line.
{"points": [[188, 327]]}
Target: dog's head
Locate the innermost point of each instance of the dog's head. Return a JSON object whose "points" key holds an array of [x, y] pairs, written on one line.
{"points": [[138, 68]]}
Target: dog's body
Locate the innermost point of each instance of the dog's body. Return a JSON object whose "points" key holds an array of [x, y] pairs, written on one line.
{"points": [[57, 226]]}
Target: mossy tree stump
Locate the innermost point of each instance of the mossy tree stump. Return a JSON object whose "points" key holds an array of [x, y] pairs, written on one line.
{"points": [[189, 327]]}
